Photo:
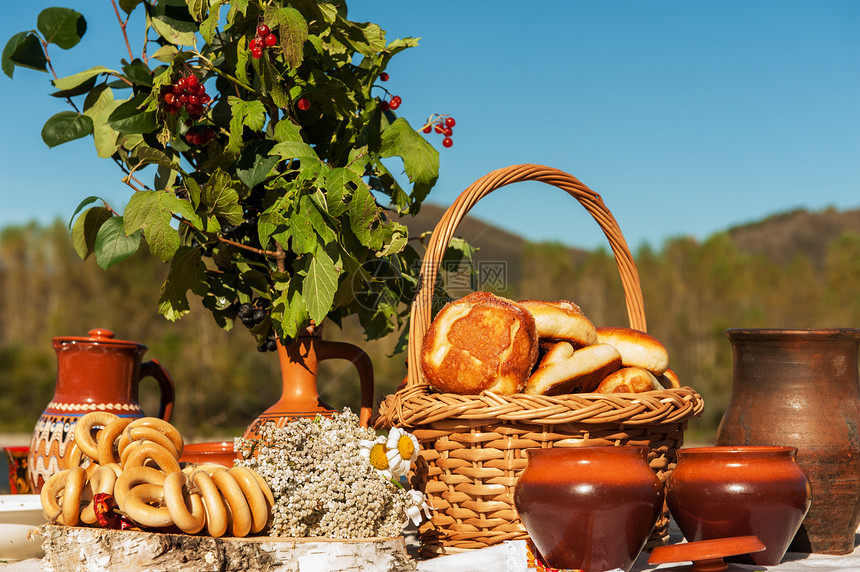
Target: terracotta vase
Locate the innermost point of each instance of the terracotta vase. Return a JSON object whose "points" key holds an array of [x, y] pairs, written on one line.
{"points": [[723, 492], [217, 452], [94, 373], [589, 508], [299, 370], [799, 388]]}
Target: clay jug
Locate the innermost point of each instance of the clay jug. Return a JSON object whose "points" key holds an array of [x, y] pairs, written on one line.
{"points": [[726, 492], [300, 396], [589, 508], [799, 388], [94, 373]]}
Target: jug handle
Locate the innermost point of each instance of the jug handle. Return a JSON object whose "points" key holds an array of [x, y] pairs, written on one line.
{"points": [[165, 384], [342, 350]]}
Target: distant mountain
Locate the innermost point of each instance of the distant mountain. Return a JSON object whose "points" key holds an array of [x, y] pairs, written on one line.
{"points": [[783, 236], [779, 237]]}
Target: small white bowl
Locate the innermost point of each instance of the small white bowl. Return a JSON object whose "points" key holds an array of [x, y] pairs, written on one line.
{"points": [[19, 514]]}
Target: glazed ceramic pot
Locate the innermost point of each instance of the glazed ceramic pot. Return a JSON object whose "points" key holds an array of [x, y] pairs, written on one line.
{"points": [[723, 492], [300, 396], [799, 388], [94, 373], [217, 452], [589, 508]]}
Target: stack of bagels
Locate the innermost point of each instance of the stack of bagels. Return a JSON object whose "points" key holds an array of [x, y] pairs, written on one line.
{"points": [[484, 342], [136, 464]]}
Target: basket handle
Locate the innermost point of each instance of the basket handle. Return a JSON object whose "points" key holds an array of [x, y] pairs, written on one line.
{"points": [[438, 244]]}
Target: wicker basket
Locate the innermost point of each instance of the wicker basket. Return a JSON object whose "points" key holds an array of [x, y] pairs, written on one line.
{"points": [[473, 446]]}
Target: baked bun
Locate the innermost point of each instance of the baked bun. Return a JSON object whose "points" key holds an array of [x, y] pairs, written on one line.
{"points": [[637, 348], [582, 372], [557, 352], [669, 379], [561, 320], [477, 343], [628, 380]]}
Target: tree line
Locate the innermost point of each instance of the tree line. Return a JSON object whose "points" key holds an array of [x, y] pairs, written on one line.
{"points": [[693, 292]]}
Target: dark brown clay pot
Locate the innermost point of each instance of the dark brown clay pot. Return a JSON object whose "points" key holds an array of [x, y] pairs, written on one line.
{"points": [[723, 492], [589, 508], [300, 397], [94, 373], [799, 388]]}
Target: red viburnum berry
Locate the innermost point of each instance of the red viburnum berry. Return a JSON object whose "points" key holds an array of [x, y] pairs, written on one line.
{"points": [[304, 104], [169, 98], [449, 122], [384, 105], [204, 98], [262, 30], [383, 76], [193, 100], [256, 52], [447, 132], [427, 128], [191, 81], [270, 40], [180, 83], [438, 128], [395, 102], [447, 142], [253, 43]]}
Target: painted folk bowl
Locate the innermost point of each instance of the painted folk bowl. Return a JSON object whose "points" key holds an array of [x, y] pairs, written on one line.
{"points": [[722, 492], [589, 508]]}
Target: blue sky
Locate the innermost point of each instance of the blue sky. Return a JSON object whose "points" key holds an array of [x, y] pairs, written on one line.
{"points": [[687, 117]]}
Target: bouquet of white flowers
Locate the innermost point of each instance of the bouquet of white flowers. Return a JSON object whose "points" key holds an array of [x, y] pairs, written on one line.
{"points": [[333, 478]]}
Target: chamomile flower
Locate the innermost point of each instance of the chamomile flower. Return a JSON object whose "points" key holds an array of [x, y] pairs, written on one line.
{"points": [[402, 451], [415, 503], [375, 452]]}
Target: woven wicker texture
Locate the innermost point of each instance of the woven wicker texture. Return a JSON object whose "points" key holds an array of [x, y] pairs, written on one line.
{"points": [[473, 446]]}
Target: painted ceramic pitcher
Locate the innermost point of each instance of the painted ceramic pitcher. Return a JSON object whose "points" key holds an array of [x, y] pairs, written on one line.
{"points": [[94, 373]]}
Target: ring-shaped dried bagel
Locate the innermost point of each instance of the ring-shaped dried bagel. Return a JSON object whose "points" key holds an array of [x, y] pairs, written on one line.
{"points": [[216, 510], [50, 493], [132, 477], [102, 480], [106, 446], [264, 486], [240, 511], [254, 495], [186, 509], [163, 427], [83, 431], [135, 434], [139, 506], [149, 451]]}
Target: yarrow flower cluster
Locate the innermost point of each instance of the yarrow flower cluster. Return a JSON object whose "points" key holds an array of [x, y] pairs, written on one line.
{"points": [[333, 478]]}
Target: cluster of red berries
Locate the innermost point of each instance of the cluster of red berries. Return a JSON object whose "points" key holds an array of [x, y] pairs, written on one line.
{"points": [[264, 39], [392, 103], [199, 135], [186, 92], [442, 125]]}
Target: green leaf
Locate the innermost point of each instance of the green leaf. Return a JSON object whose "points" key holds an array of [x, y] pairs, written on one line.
{"points": [[86, 229], [166, 53], [148, 155], [286, 130], [129, 117], [251, 114], [210, 25], [187, 272], [138, 73], [172, 24], [420, 159], [61, 26], [66, 126], [73, 81], [222, 199], [129, 5], [309, 209], [296, 150], [364, 217], [104, 136], [197, 9], [293, 31], [340, 184], [290, 311], [255, 164], [112, 244], [25, 50], [319, 284], [304, 238]]}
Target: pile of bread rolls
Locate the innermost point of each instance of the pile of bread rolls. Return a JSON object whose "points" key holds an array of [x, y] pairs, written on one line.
{"points": [[135, 465], [484, 342]]}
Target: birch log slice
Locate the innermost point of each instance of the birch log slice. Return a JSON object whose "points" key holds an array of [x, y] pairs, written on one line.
{"points": [[77, 549]]}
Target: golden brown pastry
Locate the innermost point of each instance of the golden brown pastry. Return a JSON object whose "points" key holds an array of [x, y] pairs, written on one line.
{"points": [[628, 380], [477, 343], [637, 348], [561, 320], [582, 372], [669, 379]]}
